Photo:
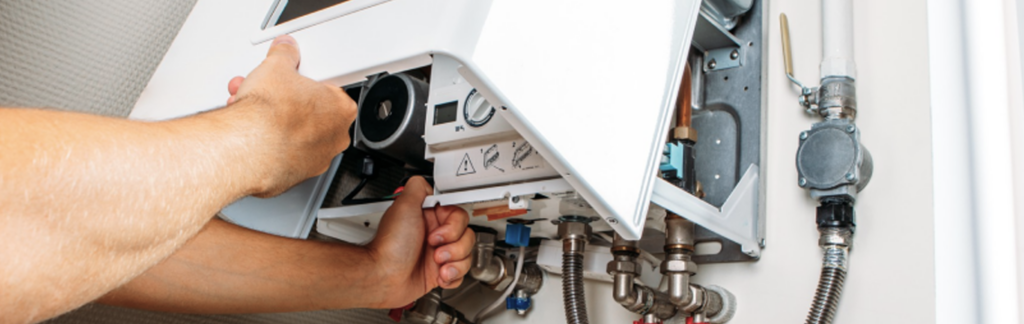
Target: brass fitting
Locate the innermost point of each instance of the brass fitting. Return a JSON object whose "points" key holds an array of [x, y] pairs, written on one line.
{"points": [[685, 133]]}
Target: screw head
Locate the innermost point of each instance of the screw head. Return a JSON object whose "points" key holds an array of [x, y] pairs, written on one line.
{"points": [[850, 176], [734, 55], [612, 221], [712, 64], [515, 199], [803, 135], [851, 129], [802, 182], [384, 109]]}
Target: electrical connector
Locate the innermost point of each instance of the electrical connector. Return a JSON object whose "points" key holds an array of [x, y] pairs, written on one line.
{"points": [[672, 161]]}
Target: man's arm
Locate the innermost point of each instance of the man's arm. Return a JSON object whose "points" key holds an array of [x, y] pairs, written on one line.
{"points": [[88, 203], [229, 269]]}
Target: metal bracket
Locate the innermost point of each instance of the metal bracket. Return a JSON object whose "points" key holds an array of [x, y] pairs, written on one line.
{"points": [[738, 220], [721, 49], [722, 58], [518, 202]]}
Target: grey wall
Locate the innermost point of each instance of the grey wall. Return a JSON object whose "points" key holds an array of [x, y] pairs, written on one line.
{"points": [[88, 56]]}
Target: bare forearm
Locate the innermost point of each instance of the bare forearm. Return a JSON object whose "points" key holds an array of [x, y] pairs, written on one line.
{"points": [[89, 202], [228, 269]]}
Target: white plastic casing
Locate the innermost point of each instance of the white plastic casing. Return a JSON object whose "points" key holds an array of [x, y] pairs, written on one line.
{"points": [[446, 86], [590, 86], [468, 155]]}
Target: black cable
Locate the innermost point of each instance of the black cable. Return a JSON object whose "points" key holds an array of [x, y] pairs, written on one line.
{"points": [[350, 199], [366, 173], [355, 191]]}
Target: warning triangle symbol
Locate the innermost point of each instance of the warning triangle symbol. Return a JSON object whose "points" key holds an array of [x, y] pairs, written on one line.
{"points": [[465, 167]]}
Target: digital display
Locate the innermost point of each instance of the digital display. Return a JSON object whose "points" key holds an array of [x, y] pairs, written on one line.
{"points": [[446, 112], [297, 8]]}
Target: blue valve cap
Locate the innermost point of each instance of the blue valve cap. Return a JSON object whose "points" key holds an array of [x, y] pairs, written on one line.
{"points": [[517, 235], [520, 304]]}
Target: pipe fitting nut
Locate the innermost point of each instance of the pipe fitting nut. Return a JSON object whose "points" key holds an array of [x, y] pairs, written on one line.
{"points": [[678, 266], [630, 267], [685, 133], [678, 263], [484, 238], [574, 230]]}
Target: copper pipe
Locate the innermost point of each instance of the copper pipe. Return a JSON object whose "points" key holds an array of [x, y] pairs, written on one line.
{"points": [[684, 102]]}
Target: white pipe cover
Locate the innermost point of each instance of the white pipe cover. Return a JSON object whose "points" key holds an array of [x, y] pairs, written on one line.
{"points": [[837, 39]]}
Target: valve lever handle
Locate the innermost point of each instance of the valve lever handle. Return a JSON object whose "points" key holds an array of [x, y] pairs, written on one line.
{"points": [[787, 56], [786, 51]]}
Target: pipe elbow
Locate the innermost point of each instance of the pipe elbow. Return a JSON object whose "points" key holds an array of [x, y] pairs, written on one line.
{"points": [[679, 289], [623, 291], [627, 298], [491, 273]]}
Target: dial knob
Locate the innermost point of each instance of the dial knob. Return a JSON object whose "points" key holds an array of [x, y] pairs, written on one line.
{"points": [[476, 110]]}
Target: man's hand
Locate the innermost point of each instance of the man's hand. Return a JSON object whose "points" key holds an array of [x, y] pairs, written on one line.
{"points": [[306, 122], [419, 249], [229, 269], [87, 202]]}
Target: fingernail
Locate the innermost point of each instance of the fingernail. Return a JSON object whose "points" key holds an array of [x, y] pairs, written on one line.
{"points": [[284, 39], [437, 239], [445, 256], [452, 274]]}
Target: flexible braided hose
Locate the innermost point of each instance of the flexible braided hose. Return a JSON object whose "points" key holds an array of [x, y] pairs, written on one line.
{"points": [[830, 286], [572, 288]]}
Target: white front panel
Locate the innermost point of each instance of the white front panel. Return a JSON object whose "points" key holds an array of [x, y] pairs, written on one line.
{"points": [[590, 86], [593, 87], [215, 45]]}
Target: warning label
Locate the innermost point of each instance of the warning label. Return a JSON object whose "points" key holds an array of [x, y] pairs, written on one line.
{"points": [[522, 153], [495, 163], [465, 167], [491, 156]]}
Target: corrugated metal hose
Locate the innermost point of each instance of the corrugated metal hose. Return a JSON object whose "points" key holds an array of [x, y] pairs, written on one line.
{"points": [[830, 286], [572, 288]]}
